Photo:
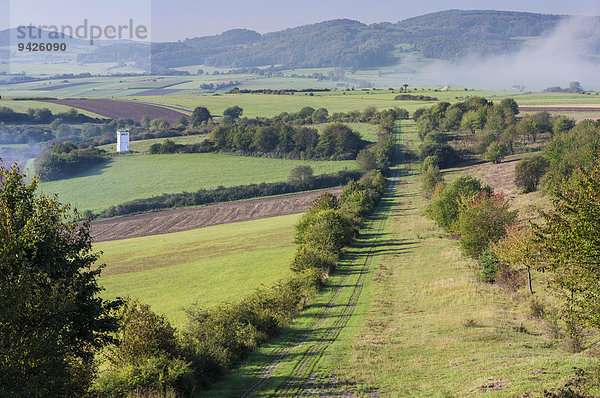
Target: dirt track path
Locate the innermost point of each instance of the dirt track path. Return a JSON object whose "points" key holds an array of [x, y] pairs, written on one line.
{"points": [[168, 221]]}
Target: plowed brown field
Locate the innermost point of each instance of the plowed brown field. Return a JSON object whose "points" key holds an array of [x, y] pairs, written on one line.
{"points": [[177, 220], [121, 109]]}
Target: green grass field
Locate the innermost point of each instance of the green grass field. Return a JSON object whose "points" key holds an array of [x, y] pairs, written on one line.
{"points": [[133, 177], [143, 146], [206, 266]]}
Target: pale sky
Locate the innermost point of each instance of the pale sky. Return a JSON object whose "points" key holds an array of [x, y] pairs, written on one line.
{"points": [[178, 19]]}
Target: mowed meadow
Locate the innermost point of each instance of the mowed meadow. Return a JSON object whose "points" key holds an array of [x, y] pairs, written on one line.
{"points": [[126, 178], [205, 266]]}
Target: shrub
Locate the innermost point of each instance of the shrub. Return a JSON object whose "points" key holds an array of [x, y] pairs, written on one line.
{"points": [[308, 257], [301, 174], [483, 220], [430, 179], [328, 230], [444, 154], [444, 209], [167, 146], [148, 356], [529, 172], [366, 160], [489, 266], [496, 152]]}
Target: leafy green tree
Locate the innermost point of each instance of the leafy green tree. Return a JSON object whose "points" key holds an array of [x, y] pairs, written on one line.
{"points": [[518, 248], [52, 321], [199, 116], [453, 117], [234, 112], [482, 221], [306, 112], [320, 116], [569, 150], [328, 230], [444, 209], [496, 152], [339, 139], [145, 122], [418, 113], [510, 105], [570, 240], [426, 125], [430, 179], [366, 160], [562, 124], [159, 124], [444, 154], [182, 121], [266, 139], [473, 121], [301, 174], [529, 172], [527, 128]]}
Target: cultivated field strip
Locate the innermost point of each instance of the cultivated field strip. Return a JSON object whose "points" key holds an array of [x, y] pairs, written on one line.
{"points": [[297, 381], [177, 220]]}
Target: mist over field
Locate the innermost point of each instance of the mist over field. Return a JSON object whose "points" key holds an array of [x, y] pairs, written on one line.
{"points": [[571, 52]]}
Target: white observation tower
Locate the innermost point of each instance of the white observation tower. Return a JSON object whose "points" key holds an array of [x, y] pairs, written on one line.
{"points": [[123, 141]]}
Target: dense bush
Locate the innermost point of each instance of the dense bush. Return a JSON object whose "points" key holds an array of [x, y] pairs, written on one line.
{"points": [[482, 221], [66, 159], [529, 172], [569, 150], [445, 156], [489, 266], [167, 146], [496, 152], [445, 208], [430, 178], [148, 356]]}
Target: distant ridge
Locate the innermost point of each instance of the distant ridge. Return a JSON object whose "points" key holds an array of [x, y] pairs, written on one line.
{"points": [[445, 35]]}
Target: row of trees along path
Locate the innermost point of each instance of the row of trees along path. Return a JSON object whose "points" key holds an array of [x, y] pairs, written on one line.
{"points": [[304, 350]]}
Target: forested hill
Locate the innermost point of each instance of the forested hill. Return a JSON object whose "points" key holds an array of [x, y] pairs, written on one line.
{"points": [[446, 35], [454, 33]]}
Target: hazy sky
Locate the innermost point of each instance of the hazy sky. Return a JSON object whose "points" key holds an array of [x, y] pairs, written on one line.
{"points": [[178, 19]]}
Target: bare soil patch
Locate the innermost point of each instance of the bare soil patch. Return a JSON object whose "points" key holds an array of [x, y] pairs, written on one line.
{"points": [[122, 109], [178, 220]]}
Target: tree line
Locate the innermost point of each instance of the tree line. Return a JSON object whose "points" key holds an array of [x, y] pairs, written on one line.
{"points": [[65, 159]]}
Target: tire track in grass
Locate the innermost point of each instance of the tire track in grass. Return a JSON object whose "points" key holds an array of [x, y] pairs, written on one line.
{"points": [[301, 374]]}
